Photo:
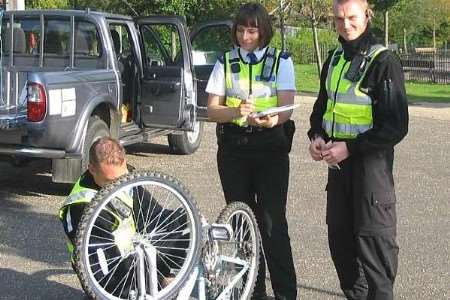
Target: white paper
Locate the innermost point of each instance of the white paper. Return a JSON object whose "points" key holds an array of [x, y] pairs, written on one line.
{"points": [[55, 102], [68, 108], [274, 110], [68, 94]]}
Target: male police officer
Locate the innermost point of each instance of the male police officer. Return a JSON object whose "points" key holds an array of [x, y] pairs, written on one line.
{"points": [[107, 163], [360, 114]]}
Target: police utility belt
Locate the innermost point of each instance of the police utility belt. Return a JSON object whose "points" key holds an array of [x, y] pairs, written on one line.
{"points": [[252, 138], [246, 133]]}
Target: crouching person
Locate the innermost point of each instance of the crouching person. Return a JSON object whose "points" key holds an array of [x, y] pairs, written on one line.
{"points": [[107, 163]]}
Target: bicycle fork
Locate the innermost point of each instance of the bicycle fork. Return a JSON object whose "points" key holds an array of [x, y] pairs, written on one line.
{"points": [[146, 252]]}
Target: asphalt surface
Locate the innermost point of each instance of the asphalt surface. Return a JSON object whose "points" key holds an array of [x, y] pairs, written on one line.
{"points": [[34, 262]]}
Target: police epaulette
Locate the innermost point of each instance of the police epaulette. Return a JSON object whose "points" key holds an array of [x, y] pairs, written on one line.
{"points": [[221, 58], [285, 55]]}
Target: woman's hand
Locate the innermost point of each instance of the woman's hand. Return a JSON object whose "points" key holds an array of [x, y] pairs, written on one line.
{"points": [[266, 121], [245, 109]]}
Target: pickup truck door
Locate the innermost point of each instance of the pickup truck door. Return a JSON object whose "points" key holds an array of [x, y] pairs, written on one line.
{"points": [[209, 41], [167, 90]]}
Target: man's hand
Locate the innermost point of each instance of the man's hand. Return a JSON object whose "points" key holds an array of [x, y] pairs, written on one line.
{"points": [[315, 148], [334, 153]]}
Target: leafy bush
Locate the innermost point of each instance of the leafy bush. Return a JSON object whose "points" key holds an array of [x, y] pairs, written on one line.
{"points": [[301, 45]]}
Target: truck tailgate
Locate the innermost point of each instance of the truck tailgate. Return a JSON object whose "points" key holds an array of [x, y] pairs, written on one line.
{"points": [[13, 109]]}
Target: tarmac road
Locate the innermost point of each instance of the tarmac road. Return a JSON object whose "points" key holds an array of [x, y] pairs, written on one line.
{"points": [[34, 262]]}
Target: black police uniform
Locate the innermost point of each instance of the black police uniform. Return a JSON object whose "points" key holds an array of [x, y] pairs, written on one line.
{"points": [[253, 165], [361, 213]]}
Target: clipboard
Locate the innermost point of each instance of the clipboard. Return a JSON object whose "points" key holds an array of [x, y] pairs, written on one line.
{"points": [[274, 110]]}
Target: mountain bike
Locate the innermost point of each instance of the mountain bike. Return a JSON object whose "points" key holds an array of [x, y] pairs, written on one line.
{"points": [[143, 237]]}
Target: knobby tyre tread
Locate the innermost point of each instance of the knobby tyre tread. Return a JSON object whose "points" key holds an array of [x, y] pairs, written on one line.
{"points": [[223, 218], [102, 195]]}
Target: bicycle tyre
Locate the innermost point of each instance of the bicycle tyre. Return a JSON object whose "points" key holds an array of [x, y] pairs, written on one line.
{"points": [[227, 216], [92, 214]]}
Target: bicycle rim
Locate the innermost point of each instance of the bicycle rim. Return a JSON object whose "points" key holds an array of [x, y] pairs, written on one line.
{"points": [[111, 244], [244, 246]]}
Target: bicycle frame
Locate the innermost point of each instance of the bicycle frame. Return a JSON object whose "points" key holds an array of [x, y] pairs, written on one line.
{"points": [[215, 233], [196, 285]]}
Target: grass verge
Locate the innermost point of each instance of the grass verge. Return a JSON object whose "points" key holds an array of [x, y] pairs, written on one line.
{"points": [[308, 81]]}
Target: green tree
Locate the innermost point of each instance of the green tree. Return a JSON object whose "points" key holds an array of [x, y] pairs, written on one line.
{"points": [[384, 6], [315, 11], [418, 21], [47, 4]]}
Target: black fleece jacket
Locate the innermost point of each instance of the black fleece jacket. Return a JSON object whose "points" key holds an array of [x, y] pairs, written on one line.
{"points": [[385, 84]]}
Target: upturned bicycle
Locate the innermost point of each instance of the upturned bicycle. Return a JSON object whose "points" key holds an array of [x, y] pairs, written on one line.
{"points": [[143, 237]]}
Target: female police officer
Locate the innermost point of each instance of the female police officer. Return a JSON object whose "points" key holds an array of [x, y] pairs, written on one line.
{"points": [[252, 155]]}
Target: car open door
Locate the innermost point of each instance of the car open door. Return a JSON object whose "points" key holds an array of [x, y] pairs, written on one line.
{"points": [[209, 41], [168, 89]]}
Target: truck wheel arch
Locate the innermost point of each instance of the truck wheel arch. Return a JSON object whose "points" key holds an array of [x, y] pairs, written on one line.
{"points": [[102, 107]]}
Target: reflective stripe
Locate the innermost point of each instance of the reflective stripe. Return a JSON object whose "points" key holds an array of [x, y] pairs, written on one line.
{"points": [[266, 91], [83, 196], [352, 98], [69, 220], [345, 130]]}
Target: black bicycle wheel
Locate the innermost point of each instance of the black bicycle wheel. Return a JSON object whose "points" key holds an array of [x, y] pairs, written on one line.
{"points": [[238, 259], [142, 220]]}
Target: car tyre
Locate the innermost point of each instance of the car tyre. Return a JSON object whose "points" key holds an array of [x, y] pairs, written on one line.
{"points": [[97, 128], [188, 142]]}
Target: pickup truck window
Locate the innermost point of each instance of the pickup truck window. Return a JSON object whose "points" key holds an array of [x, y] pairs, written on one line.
{"points": [[121, 39], [88, 47], [162, 45], [209, 43], [27, 37], [125, 58], [57, 42]]}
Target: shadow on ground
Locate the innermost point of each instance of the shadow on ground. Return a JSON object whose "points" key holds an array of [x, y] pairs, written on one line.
{"points": [[147, 149], [33, 235], [18, 286]]}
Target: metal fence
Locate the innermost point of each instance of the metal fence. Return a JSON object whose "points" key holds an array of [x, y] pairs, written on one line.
{"points": [[427, 67], [422, 67]]}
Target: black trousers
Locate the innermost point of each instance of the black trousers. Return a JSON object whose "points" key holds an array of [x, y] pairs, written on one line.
{"points": [[361, 222], [261, 181]]}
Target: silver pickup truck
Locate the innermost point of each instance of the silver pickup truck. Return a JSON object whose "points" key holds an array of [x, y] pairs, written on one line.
{"points": [[70, 77]]}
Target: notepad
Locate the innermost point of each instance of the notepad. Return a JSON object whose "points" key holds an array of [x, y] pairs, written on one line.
{"points": [[274, 110]]}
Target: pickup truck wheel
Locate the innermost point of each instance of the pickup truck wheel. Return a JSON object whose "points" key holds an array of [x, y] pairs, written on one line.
{"points": [[97, 128], [187, 142]]}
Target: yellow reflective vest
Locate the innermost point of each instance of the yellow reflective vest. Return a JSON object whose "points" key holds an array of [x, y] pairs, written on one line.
{"points": [[349, 110], [83, 195], [243, 79]]}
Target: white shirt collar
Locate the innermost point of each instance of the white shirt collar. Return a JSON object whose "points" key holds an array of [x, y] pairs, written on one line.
{"points": [[258, 52]]}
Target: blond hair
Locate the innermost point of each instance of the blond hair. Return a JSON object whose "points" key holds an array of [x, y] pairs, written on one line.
{"points": [[364, 4]]}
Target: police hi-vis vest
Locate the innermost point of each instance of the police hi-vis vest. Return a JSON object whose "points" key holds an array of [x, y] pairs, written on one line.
{"points": [[258, 80], [82, 195], [349, 110]]}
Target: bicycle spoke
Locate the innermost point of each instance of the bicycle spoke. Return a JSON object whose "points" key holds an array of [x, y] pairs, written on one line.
{"points": [[124, 279]]}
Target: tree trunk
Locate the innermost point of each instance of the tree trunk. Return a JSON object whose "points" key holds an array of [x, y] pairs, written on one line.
{"points": [[386, 28], [283, 37], [316, 43], [434, 33], [405, 46]]}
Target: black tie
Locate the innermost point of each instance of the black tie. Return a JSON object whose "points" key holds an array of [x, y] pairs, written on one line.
{"points": [[252, 58]]}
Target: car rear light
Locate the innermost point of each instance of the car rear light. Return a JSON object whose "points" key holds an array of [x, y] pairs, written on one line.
{"points": [[36, 102]]}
